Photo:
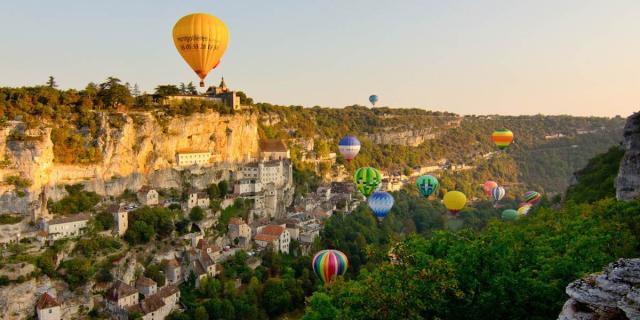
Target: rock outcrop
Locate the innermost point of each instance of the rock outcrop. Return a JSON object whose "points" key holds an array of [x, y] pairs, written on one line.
{"points": [[628, 181], [613, 294], [396, 136], [141, 150]]}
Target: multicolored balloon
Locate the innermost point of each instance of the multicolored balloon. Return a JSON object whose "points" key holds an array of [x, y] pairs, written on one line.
{"points": [[367, 180], [498, 193], [488, 185], [349, 147], [510, 214], [380, 203], [502, 138], [524, 209], [328, 264], [454, 201], [532, 197], [201, 40], [373, 99], [427, 185]]}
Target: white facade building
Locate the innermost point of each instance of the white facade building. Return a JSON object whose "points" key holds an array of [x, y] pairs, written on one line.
{"points": [[188, 157], [198, 199], [48, 308], [66, 227]]}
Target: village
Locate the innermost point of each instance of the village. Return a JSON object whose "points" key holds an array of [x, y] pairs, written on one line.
{"points": [[271, 222]]}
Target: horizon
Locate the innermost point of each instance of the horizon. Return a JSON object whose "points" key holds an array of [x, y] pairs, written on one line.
{"points": [[574, 58]]}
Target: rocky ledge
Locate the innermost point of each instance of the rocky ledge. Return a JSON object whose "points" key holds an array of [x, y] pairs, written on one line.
{"points": [[613, 294]]}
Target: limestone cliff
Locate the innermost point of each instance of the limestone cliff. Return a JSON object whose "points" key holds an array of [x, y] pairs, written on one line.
{"points": [[140, 151], [628, 181], [613, 294], [397, 136]]}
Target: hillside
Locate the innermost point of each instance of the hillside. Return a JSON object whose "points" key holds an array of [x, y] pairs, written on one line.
{"points": [[506, 270], [546, 151]]}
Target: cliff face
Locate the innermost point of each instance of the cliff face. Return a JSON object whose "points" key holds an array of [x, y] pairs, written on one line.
{"points": [[412, 138], [628, 181], [613, 294], [136, 153]]}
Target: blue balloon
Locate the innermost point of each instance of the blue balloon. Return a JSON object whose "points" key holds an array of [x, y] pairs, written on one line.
{"points": [[373, 99], [380, 203]]}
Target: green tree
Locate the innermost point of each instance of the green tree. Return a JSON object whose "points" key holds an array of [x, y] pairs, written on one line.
{"points": [[196, 214], [114, 94], [51, 83]]}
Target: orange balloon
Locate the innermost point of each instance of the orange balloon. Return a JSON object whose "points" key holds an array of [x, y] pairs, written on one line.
{"points": [[201, 40]]}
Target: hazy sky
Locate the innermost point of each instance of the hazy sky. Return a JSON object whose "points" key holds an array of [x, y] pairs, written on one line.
{"points": [[473, 57]]}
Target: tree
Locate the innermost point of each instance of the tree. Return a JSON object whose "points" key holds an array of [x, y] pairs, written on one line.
{"points": [[196, 214], [191, 89], [136, 90], [200, 314], [213, 191], [114, 94], [223, 186], [51, 83], [167, 90]]}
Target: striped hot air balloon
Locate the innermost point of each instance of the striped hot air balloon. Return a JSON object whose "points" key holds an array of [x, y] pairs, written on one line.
{"points": [[532, 197], [498, 193], [349, 147], [380, 203], [427, 185], [328, 264], [502, 138], [367, 180]]}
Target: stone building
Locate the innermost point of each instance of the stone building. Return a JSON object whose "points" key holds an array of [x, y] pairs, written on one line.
{"points": [[119, 298], [120, 219], [66, 227], [273, 149], [198, 199], [187, 157], [147, 196], [48, 308]]}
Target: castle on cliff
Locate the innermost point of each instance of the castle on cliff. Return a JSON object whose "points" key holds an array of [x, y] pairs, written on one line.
{"points": [[220, 94]]}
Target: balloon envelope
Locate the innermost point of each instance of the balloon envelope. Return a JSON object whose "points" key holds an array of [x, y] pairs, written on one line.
{"points": [[201, 40], [373, 99], [532, 197], [328, 264], [524, 209], [502, 138], [380, 203], [367, 180], [498, 193], [427, 185], [454, 201], [349, 147], [488, 186], [509, 214]]}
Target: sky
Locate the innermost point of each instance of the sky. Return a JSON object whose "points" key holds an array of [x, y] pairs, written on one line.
{"points": [[579, 57]]}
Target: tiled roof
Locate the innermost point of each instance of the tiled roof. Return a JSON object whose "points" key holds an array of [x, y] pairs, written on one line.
{"points": [[67, 219], [236, 221], [46, 301], [174, 263], [273, 230], [146, 282], [167, 291], [272, 145], [119, 290], [151, 304]]}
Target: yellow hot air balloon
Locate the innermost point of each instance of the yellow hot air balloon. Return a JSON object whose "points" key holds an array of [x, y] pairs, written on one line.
{"points": [[201, 39], [454, 201]]}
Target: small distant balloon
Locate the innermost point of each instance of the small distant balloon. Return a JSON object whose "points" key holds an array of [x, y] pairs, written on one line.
{"points": [[380, 203], [349, 147], [454, 201], [367, 180], [373, 99], [488, 186], [502, 138], [510, 214], [328, 264], [427, 185], [498, 193], [524, 209], [532, 197]]}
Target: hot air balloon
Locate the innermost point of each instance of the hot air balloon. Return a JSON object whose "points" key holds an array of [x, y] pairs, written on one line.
{"points": [[488, 186], [454, 201], [502, 138], [367, 180], [524, 209], [497, 193], [373, 99], [328, 264], [509, 214], [380, 203], [427, 185], [532, 197], [201, 39], [349, 147]]}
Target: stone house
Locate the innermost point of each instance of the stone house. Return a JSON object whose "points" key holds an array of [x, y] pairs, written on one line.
{"points": [[147, 196], [48, 308]]}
